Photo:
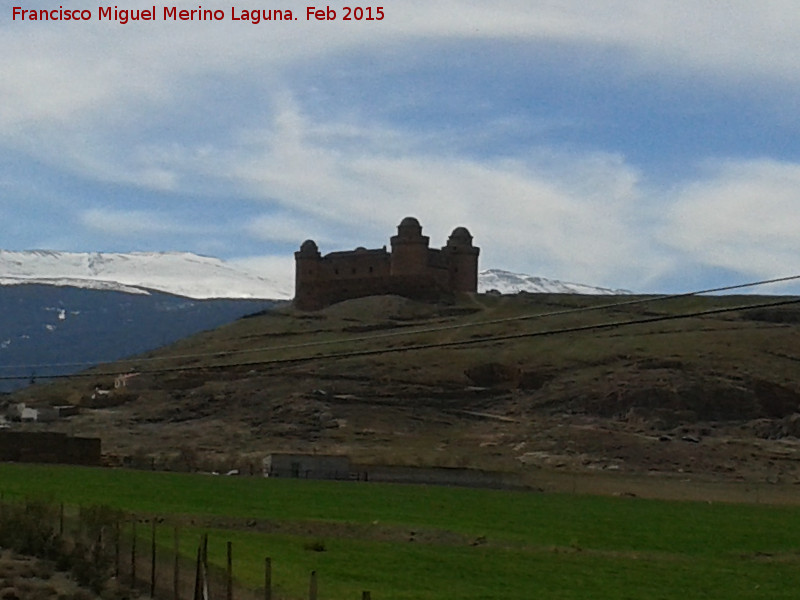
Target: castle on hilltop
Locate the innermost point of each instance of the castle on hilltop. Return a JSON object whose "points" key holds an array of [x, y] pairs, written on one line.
{"points": [[412, 269]]}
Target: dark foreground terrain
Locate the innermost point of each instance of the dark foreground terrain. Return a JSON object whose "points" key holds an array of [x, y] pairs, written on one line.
{"points": [[29, 578], [713, 396]]}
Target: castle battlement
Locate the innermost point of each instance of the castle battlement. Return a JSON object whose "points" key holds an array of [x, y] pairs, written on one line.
{"points": [[411, 269]]}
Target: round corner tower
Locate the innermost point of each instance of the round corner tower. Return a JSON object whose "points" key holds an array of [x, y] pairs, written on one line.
{"points": [[307, 275], [462, 258], [409, 249]]}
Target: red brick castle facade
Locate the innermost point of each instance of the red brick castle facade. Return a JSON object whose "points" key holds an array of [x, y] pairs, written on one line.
{"points": [[411, 269]]}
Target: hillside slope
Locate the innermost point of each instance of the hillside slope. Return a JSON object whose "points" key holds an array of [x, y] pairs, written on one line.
{"points": [[715, 395], [48, 330]]}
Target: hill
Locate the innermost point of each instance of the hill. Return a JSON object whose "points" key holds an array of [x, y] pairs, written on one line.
{"points": [[712, 395], [49, 330]]}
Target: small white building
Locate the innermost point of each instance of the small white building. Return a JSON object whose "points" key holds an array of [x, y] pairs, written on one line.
{"points": [[21, 412], [28, 414]]}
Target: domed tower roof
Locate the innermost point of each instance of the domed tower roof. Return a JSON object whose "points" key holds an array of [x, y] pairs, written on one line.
{"points": [[460, 237], [309, 248], [410, 222], [409, 227]]}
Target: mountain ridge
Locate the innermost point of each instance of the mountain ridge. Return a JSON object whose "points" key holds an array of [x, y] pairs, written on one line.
{"points": [[508, 282], [179, 273], [204, 277]]}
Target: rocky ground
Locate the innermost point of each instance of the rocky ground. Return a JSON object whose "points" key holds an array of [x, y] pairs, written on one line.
{"points": [[27, 578]]}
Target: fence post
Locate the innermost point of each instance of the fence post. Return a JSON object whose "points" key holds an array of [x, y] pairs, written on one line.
{"points": [[133, 555], [153, 560], [198, 578], [61, 520], [366, 595], [205, 566], [99, 546], [312, 586], [117, 536], [201, 576], [176, 567], [229, 573], [267, 578]]}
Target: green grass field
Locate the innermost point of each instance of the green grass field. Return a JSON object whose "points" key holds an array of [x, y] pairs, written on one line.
{"points": [[536, 545]]}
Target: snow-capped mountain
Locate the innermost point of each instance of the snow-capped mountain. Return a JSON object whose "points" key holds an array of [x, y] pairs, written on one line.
{"points": [[506, 282], [201, 277], [179, 273], [76, 310]]}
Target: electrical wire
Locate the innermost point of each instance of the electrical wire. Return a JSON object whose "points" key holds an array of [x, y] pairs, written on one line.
{"points": [[410, 331], [435, 345]]}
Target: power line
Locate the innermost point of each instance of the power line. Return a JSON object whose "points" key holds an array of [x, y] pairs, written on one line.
{"points": [[436, 345], [410, 331]]}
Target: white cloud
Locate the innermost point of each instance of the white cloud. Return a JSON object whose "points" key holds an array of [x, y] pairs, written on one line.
{"points": [[284, 228], [95, 72], [586, 217], [131, 223], [574, 216], [743, 216], [76, 96]]}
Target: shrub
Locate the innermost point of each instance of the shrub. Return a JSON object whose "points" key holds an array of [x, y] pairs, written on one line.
{"points": [[29, 528]]}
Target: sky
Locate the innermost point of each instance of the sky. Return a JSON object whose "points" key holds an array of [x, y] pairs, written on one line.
{"points": [[652, 146]]}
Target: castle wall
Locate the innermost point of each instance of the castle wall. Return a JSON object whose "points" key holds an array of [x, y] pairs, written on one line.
{"points": [[358, 264], [411, 269], [319, 294], [463, 270], [409, 257]]}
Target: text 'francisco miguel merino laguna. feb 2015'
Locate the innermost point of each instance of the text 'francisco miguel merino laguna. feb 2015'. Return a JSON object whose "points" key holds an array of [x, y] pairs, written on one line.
{"points": [[174, 13]]}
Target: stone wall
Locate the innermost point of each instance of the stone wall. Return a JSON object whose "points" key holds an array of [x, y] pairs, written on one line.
{"points": [[476, 478], [307, 466], [48, 447]]}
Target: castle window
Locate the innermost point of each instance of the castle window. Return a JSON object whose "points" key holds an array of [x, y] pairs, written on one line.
{"points": [[370, 269], [336, 271], [354, 271]]}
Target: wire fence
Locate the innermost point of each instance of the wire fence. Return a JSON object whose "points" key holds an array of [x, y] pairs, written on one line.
{"points": [[119, 554]]}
